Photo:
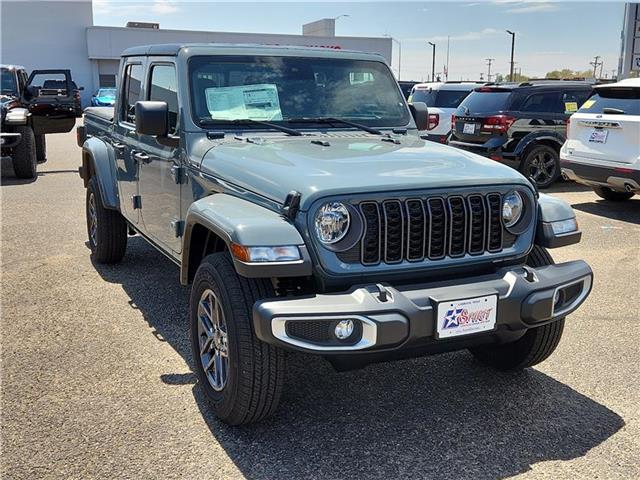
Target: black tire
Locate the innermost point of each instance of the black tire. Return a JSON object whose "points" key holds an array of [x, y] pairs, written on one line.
{"points": [[542, 163], [41, 148], [254, 369], [535, 346], [108, 242], [608, 194], [24, 154]]}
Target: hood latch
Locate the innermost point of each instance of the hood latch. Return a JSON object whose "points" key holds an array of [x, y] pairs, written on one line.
{"points": [[291, 204]]}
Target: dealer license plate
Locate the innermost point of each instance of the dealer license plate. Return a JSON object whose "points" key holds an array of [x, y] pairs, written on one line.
{"points": [[469, 128], [467, 316], [599, 136]]}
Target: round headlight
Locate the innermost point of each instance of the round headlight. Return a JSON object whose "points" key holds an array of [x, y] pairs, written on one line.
{"points": [[512, 208], [332, 222]]}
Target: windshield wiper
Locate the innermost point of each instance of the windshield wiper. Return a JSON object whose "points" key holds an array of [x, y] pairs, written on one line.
{"points": [[326, 120], [613, 111], [247, 121]]}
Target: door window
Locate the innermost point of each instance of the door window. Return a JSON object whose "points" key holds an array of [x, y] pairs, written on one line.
{"points": [[132, 92], [164, 88], [546, 102]]}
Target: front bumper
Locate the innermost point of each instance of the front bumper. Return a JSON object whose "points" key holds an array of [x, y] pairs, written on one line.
{"points": [[617, 178], [10, 140], [403, 318]]}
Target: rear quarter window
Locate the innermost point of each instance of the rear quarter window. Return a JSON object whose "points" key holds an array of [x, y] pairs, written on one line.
{"points": [[625, 101]]}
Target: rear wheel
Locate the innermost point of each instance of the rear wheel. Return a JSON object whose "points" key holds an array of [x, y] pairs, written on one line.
{"points": [[41, 148], [542, 163], [241, 375], [107, 229], [24, 154], [535, 346], [609, 194]]}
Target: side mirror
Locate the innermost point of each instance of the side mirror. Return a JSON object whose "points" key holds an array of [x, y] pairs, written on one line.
{"points": [[152, 118], [420, 114]]}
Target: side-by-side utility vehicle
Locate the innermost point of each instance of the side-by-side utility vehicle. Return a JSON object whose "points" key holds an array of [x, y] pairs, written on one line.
{"points": [[292, 189]]}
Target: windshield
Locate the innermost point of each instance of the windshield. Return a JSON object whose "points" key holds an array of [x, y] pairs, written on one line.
{"points": [[484, 102], [9, 82], [624, 101], [439, 98], [106, 92], [285, 89]]}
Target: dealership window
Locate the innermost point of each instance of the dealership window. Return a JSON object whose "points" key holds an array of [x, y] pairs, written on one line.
{"points": [[164, 88], [107, 81], [132, 87]]}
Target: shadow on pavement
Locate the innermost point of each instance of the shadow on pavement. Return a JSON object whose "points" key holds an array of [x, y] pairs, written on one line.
{"points": [[437, 417], [626, 211], [564, 186]]}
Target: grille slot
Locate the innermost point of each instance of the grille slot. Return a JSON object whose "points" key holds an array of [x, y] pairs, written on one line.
{"points": [[430, 228], [494, 242], [477, 224]]}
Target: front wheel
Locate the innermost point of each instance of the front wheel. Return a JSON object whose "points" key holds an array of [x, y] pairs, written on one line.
{"points": [[542, 164], [612, 195], [535, 346], [24, 154], [241, 375]]}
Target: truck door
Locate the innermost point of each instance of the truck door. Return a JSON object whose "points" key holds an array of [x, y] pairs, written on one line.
{"points": [[52, 99], [160, 163], [125, 139]]}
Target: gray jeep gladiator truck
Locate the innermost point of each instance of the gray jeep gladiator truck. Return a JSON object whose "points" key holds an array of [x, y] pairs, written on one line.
{"points": [[44, 102], [293, 191]]}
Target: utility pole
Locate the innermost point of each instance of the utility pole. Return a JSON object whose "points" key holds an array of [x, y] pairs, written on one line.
{"points": [[489, 61], [513, 44], [433, 62], [447, 70], [596, 63]]}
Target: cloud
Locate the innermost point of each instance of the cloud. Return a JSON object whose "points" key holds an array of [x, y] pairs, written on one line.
{"points": [[108, 7], [467, 36], [535, 8]]}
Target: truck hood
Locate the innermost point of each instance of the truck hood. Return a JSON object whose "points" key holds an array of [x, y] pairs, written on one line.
{"points": [[351, 163]]}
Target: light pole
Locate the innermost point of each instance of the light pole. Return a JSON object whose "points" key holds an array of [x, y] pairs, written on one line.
{"points": [[336, 18], [399, 51], [513, 44], [433, 61]]}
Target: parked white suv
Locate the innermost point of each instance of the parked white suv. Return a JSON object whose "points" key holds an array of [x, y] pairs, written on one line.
{"points": [[602, 149], [442, 99]]}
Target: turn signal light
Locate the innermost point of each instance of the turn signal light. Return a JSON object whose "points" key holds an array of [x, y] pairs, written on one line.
{"points": [[289, 253]]}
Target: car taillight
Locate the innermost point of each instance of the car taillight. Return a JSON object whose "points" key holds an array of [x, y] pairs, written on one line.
{"points": [[497, 123], [434, 120], [568, 124], [453, 122]]}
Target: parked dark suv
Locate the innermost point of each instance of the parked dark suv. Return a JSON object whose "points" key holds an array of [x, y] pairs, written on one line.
{"points": [[522, 125]]}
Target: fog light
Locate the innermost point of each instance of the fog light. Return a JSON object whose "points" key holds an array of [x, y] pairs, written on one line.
{"points": [[344, 329]]}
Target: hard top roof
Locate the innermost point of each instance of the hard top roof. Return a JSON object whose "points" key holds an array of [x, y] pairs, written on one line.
{"points": [[172, 49]]}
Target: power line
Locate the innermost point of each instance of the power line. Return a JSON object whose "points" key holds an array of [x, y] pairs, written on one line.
{"points": [[596, 63]]}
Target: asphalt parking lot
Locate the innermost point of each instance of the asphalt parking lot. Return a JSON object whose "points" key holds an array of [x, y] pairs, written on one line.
{"points": [[97, 383]]}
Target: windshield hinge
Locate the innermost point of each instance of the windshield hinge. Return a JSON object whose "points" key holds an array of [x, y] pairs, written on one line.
{"points": [[177, 226], [179, 174], [291, 205]]}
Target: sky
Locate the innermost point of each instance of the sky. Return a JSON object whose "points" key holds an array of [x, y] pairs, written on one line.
{"points": [[549, 35]]}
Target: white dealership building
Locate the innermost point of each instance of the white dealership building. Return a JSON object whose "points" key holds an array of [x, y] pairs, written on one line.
{"points": [[61, 34]]}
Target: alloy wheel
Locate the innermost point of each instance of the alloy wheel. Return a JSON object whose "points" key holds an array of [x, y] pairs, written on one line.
{"points": [[542, 168], [213, 340]]}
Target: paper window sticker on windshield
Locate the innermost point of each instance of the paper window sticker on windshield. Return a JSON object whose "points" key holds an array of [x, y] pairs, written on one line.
{"points": [[588, 104], [571, 107], [255, 102]]}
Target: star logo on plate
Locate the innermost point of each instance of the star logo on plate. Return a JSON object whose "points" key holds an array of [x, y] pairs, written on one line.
{"points": [[451, 318]]}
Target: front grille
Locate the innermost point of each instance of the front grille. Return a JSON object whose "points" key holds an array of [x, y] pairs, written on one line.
{"points": [[430, 228], [310, 330]]}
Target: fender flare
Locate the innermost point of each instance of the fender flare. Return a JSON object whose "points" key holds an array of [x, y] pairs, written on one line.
{"points": [[533, 137], [17, 116], [98, 160], [235, 220], [553, 209]]}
